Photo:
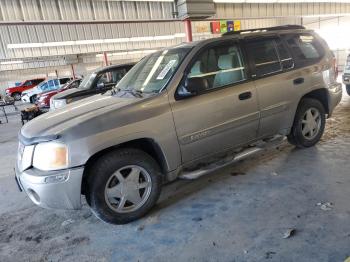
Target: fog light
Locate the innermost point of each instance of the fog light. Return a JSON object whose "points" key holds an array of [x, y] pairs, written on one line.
{"points": [[56, 179]]}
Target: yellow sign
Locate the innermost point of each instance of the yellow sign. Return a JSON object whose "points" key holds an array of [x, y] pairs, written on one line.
{"points": [[237, 25]]}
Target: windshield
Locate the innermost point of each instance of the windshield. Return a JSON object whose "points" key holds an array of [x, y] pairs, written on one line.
{"points": [[87, 81], [42, 86], [153, 72]]}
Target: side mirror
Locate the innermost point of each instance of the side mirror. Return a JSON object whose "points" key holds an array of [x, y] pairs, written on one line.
{"points": [[101, 85], [196, 85]]}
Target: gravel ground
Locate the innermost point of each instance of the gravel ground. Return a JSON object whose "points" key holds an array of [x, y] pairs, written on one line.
{"points": [[239, 213]]}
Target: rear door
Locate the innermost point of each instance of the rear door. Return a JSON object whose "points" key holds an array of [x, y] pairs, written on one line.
{"points": [[224, 115], [277, 85]]}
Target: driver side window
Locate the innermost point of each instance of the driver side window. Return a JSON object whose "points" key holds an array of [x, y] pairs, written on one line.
{"points": [[221, 65]]}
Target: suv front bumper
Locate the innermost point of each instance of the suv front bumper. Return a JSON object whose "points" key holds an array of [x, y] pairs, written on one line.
{"points": [[53, 189], [334, 96]]}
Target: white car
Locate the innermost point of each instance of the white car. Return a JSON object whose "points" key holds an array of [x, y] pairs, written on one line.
{"points": [[29, 96]]}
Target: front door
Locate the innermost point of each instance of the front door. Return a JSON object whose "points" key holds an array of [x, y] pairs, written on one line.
{"points": [[222, 116]]}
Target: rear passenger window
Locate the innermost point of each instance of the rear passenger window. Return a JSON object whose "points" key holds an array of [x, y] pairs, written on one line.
{"points": [[220, 65], [264, 56], [305, 48]]}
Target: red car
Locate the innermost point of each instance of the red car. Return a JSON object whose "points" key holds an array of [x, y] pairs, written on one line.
{"points": [[16, 91], [43, 100]]}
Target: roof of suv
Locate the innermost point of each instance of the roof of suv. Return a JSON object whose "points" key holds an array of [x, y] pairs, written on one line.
{"points": [[250, 33]]}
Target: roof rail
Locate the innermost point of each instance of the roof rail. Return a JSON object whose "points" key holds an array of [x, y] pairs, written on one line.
{"points": [[266, 29]]}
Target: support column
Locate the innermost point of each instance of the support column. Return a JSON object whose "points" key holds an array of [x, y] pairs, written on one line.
{"points": [[105, 58], [188, 29], [73, 71]]}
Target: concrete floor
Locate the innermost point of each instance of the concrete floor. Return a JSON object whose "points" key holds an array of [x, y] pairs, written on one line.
{"points": [[237, 214]]}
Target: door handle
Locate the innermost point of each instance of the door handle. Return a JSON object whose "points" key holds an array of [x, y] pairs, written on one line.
{"points": [[245, 95], [298, 81]]}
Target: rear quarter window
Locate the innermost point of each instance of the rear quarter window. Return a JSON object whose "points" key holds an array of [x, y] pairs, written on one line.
{"points": [[305, 48]]}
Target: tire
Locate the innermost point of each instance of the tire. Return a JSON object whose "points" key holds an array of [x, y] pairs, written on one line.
{"points": [[305, 132], [16, 96], [32, 99], [114, 188], [348, 89]]}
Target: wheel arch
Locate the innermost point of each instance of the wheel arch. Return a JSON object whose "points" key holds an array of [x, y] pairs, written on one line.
{"points": [[148, 145], [321, 95]]}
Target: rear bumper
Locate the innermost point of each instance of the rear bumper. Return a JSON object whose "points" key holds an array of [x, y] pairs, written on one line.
{"points": [[54, 189], [334, 96]]}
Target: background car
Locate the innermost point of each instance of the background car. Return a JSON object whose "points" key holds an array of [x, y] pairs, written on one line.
{"points": [[99, 81], [346, 75], [16, 91], [43, 100], [52, 84]]}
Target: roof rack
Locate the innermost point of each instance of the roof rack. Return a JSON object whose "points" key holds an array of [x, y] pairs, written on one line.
{"points": [[266, 29]]}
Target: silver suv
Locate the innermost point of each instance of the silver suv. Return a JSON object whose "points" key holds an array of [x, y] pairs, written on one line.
{"points": [[182, 111]]}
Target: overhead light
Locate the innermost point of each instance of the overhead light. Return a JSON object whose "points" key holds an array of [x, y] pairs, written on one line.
{"points": [[134, 52], [12, 62], [97, 41]]}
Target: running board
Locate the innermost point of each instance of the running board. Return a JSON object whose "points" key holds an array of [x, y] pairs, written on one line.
{"points": [[258, 147]]}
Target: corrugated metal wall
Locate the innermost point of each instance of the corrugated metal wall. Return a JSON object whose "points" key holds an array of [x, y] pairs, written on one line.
{"points": [[17, 34], [336, 31], [92, 10], [82, 10], [256, 10]]}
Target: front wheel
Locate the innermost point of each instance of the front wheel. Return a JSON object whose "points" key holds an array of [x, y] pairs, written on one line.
{"points": [[16, 96], [123, 186], [348, 89], [309, 123], [32, 99]]}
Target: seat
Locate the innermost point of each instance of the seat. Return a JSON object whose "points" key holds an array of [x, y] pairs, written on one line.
{"points": [[231, 71]]}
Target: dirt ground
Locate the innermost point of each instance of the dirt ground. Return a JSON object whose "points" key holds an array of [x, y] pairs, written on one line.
{"points": [[239, 213]]}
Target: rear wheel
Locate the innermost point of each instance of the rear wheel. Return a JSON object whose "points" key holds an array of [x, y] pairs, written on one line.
{"points": [[16, 96], [123, 186], [348, 89], [309, 123]]}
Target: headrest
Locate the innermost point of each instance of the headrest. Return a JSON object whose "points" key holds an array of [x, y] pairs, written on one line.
{"points": [[196, 69], [225, 62]]}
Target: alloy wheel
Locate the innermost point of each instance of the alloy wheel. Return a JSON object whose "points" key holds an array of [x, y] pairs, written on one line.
{"points": [[311, 123], [128, 189]]}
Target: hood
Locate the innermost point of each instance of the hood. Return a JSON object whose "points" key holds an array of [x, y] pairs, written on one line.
{"points": [[68, 93], [57, 122], [13, 87]]}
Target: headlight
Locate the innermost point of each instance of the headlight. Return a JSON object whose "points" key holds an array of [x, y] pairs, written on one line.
{"points": [[50, 156], [59, 103]]}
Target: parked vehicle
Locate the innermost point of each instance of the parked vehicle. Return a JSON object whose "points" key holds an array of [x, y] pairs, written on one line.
{"points": [[16, 91], [98, 82], [52, 84], [43, 99], [182, 111], [346, 75]]}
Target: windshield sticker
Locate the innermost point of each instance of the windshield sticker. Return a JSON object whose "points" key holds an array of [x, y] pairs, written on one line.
{"points": [[166, 69]]}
